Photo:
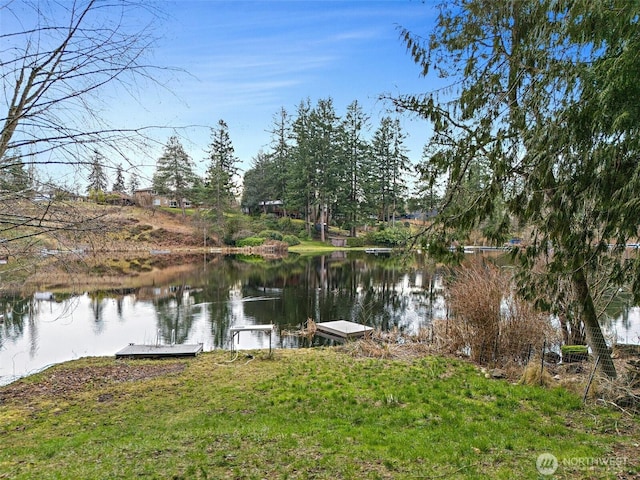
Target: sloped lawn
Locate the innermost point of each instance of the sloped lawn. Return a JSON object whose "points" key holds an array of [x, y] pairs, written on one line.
{"points": [[309, 413]]}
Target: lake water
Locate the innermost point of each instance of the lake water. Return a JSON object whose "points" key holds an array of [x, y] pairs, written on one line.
{"points": [[201, 303]]}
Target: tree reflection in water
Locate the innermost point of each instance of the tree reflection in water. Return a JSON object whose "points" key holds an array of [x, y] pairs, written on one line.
{"points": [[200, 303]]}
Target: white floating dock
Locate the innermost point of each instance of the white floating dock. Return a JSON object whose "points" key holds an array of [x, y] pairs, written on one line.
{"points": [[379, 251], [157, 351], [343, 329]]}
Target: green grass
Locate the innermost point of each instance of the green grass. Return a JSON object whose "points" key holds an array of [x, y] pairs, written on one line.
{"points": [[311, 413], [313, 246]]}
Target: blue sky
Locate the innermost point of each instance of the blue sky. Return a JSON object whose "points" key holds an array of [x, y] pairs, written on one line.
{"points": [[244, 60]]}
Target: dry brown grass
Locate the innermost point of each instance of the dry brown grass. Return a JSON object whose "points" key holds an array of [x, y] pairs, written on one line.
{"points": [[535, 374], [623, 391], [579, 378], [489, 323], [392, 344], [308, 332]]}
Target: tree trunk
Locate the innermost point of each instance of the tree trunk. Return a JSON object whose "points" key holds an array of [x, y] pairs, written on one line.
{"points": [[322, 214], [595, 338], [308, 220]]}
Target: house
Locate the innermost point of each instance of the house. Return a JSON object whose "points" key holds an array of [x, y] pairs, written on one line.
{"points": [[148, 197], [272, 206]]}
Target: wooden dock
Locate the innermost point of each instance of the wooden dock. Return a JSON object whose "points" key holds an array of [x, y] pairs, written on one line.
{"points": [[159, 351], [343, 329], [379, 251]]}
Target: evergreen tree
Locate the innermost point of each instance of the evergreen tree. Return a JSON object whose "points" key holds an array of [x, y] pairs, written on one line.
{"points": [[14, 178], [258, 186], [97, 180], [355, 151], [220, 176], [398, 168], [548, 105], [325, 160], [427, 187], [133, 183], [280, 155], [377, 192], [174, 173], [118, 184], [301, 192], [386, 183]]}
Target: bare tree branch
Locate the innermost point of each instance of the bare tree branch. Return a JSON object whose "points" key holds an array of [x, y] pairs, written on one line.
{"points": [[60, 64]]}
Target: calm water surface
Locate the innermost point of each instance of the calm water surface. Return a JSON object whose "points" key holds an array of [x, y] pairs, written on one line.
{"points": [[223, 291], [218, 292]]}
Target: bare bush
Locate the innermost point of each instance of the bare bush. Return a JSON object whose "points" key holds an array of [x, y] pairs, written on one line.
{"points": [[488, 322]]}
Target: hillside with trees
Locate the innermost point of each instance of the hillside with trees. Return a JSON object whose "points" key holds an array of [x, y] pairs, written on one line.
{"points": [[329, 169], [318, 167]]}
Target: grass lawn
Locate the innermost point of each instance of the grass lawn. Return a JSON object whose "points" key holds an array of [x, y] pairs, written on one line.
{"points": [[303, 414], [314, 246]]}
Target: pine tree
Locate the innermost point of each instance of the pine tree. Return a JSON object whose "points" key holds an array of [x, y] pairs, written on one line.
{"points": [[174, 172], [258, 184], [280, 155], [324, 156], [355, 150], [14, 177], [118, 184], [386, 184], [97, 180], [220, 182], [133, 184], [427, 187], [398, 168], [301, 191]]}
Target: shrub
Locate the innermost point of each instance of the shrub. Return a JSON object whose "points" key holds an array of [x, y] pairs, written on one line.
{"points": [[140, 228], [489, 322], [98, 196], [291, 240], [355, 242], [270, 220], [287, 226], [303, 234], [232, 225], [250, 242], [271, 235], [390, 237]]}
